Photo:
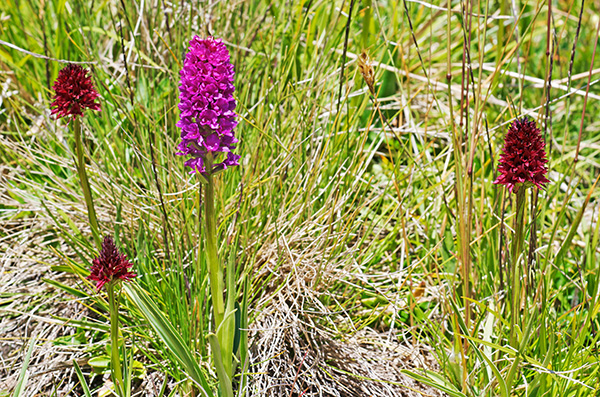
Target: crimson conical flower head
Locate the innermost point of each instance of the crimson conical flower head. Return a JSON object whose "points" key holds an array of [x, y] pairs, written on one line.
{"points": [[207, 105], [523, 159], [110, 265], [73, 92]]}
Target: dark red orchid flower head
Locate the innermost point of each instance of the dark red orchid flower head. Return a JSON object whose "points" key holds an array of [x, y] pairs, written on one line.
{"points": [[110, 265], [523, 159], [74, 92]]}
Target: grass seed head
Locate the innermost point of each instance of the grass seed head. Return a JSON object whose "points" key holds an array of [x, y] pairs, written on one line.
{"points": [[366, 69]]}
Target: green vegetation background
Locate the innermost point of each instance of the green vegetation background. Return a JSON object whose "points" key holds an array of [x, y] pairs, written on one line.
{"points": [[322, 175]]}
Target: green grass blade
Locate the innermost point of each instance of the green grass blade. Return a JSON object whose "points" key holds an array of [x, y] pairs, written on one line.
{"points": [[446, 388], [224, 379], [168, 335], [82, 382], [22, 381], [575, 225]]}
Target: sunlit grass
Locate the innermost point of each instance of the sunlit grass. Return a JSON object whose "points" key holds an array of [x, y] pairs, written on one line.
{"points": [[372, 215]]}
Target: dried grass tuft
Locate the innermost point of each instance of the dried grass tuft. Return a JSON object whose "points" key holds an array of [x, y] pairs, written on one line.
{"points": [[299, 349]]}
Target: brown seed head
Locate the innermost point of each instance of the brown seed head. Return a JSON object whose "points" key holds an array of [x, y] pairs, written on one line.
{"points": [[366, 69]]}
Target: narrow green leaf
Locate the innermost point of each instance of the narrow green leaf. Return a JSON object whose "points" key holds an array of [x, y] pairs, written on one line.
{"points": [[243, 349], [567, 242], [168, 335], [82, 324], [82, 382], [23, 376], [498, 375], [237, 333], [66, 288], [449, 389], [127, 371], [224, 380]]}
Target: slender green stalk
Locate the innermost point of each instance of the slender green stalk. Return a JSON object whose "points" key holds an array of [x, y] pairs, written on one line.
{"points": [[215, 270], [83, 180], [464, 268], [222, 342], [115, 358], [366, 32], [516, 250], [500, 34]]}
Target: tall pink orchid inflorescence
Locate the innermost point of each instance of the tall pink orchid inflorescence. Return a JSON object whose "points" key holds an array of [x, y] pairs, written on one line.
{"points": [[207, 123], [74, 92], [523, 159], [110, 265], [207, 106]]}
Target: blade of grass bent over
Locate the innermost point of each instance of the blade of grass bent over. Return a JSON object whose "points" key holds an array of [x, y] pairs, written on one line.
{"points": [[168, 334]]}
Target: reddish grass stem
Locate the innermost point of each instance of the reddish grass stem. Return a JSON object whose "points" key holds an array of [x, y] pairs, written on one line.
{"points": [[587, 90]]}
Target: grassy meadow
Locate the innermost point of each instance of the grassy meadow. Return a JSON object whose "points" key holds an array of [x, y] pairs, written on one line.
{"points": [[369, 250]]}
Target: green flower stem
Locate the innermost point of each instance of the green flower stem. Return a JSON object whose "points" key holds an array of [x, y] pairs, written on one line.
{"points": [[115, 358], [215, 271], [85, 186], [221, 343], [516, 250]]}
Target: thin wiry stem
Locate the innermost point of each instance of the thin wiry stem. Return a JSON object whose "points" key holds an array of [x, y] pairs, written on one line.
{"points": [[570, 76], [166, 225], [587, 90], [549, 62], [344, 55], [36, 55]]}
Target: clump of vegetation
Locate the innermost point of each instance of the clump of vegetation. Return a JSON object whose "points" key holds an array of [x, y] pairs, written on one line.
{"points": [[398, 198]]}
